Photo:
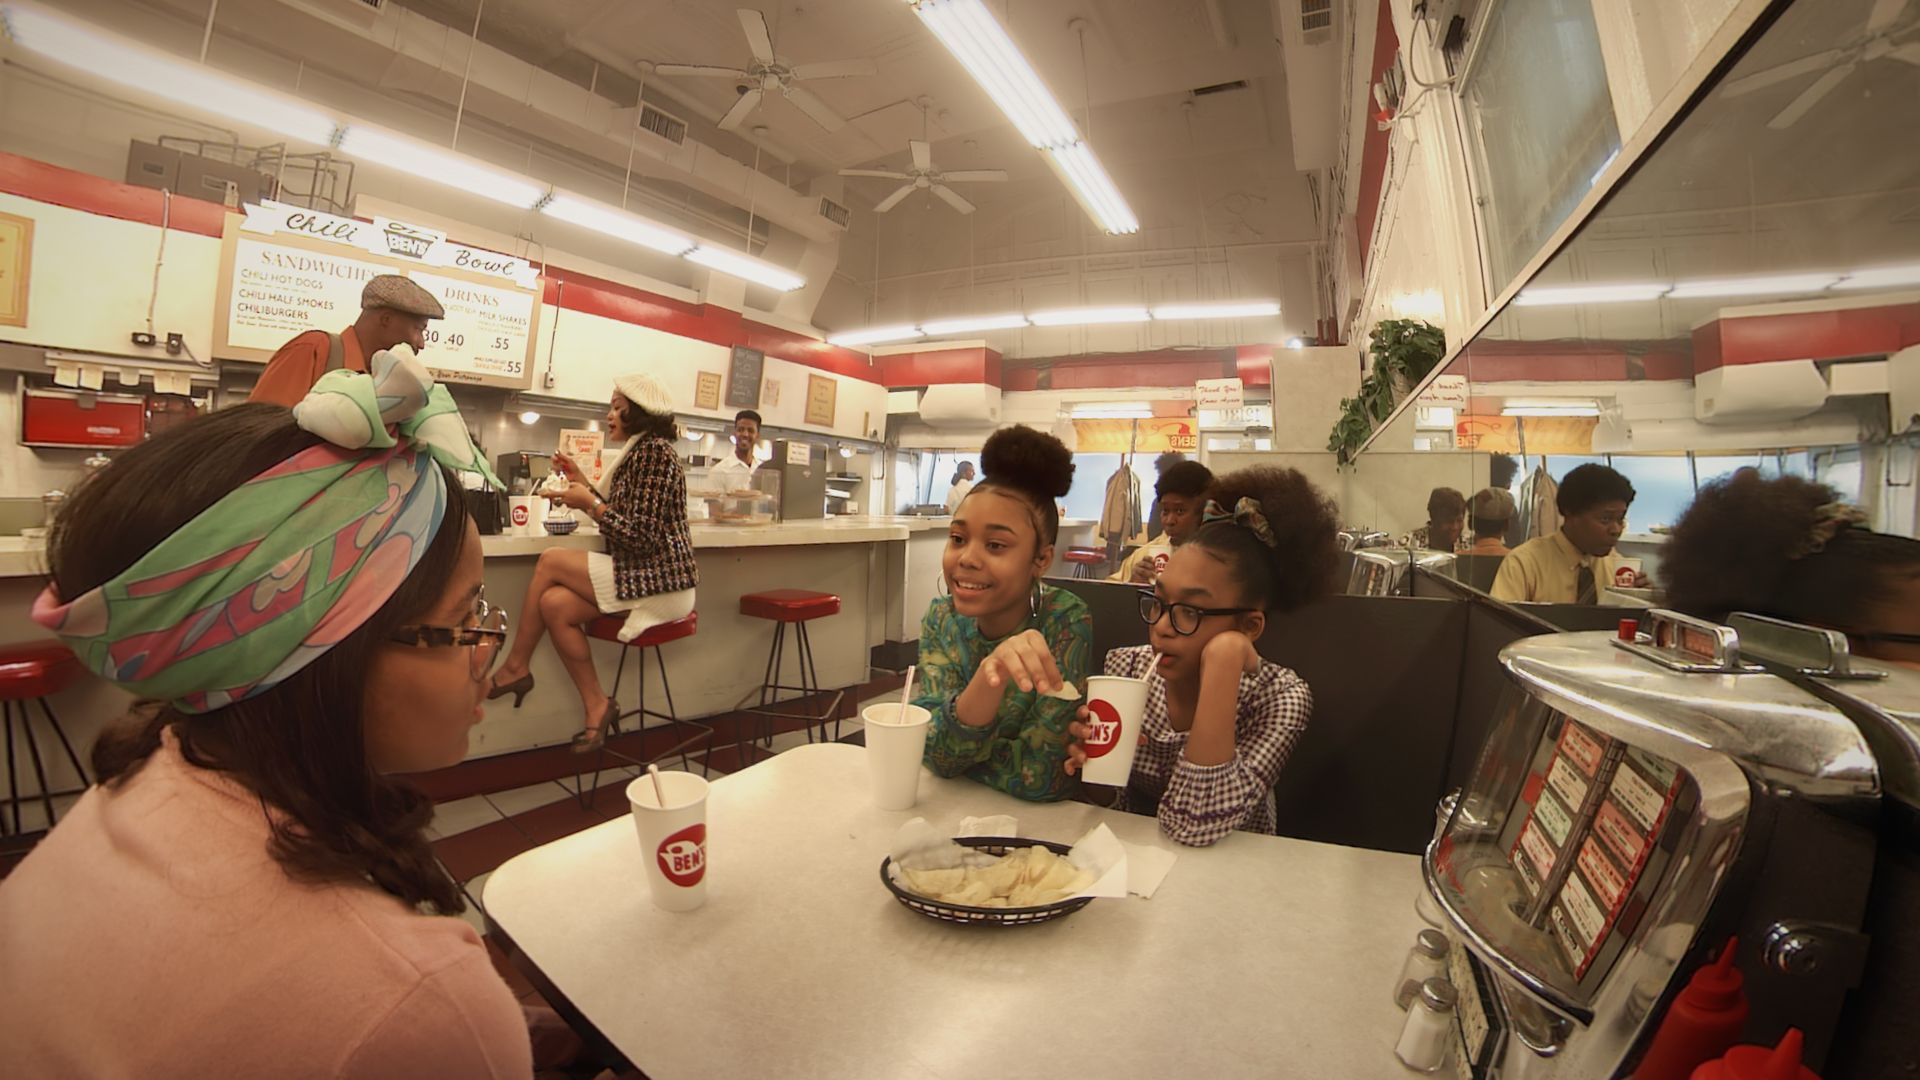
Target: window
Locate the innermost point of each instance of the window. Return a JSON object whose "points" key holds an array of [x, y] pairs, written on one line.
{"points": [[1540, 125], [1711, 467], [1663, 489]]}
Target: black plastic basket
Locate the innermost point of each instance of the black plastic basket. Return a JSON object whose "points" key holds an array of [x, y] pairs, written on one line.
{"points": [[986, 916]]}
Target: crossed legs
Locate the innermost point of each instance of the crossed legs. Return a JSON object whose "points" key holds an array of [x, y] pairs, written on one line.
{"points": [[559, 603]]}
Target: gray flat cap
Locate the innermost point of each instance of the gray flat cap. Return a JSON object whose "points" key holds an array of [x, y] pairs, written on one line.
{"points": [[401, 294]]}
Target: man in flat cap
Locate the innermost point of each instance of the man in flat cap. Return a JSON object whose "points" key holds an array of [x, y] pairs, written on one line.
{"points": [[393, 311]]}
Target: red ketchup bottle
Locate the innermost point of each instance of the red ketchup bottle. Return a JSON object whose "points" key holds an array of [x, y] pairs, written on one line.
{"points": [[1701, 1024], [1759, 1063]]}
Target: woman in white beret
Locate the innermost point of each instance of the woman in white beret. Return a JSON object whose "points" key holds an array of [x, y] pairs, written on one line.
{"points": [[648, 570]]}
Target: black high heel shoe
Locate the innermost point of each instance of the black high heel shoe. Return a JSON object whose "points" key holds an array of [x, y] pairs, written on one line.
{"points": [[519, 688], [587, 742]]}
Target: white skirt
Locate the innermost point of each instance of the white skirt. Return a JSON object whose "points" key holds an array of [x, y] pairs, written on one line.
{"points": [[643, 613]]}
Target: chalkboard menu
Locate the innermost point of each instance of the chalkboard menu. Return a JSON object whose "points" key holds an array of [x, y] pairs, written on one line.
{"points": [[743, 377]]}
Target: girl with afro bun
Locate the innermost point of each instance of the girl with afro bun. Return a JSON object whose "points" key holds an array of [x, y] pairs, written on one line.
{"points": [[1789, 548], [1221, 721], [999, 642]]}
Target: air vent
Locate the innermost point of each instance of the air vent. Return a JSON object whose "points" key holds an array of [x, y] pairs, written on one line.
{"points": [[1316, 21], [665, 125], [1219, 88], [834, 212]]}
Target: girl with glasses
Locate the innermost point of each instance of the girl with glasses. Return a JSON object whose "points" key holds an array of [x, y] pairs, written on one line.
{"points": [[1220, 721], [295, 601]]}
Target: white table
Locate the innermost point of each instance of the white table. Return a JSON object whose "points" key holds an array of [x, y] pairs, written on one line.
{"points": [[1259, 957]]}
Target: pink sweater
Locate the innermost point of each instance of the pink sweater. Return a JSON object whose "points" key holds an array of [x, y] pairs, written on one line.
{"points": [[151, 934]]}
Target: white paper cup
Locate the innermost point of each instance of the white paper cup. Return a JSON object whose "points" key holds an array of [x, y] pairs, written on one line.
{"points": [[896, 739], [1115, 706], [673, 838], [524, 515]]}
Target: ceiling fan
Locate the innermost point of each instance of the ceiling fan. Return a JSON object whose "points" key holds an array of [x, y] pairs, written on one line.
{"points": [[1876, 40], [768, 74], [922, 175]]}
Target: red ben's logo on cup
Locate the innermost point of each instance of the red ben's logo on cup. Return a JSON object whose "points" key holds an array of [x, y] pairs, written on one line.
{"points": [[1624, 575], [683, 856], [520, 515], [1103, 728]]}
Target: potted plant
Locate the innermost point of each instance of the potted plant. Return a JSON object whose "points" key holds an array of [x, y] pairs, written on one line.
{"points": [[1403, 351], [1349, 431]]}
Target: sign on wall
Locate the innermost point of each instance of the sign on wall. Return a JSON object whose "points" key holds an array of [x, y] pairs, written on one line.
{"points": [[16, 268], [822, 394], [743, 377], [706, 390], [1537, 434], [1152, 436], [287, 270], [1219, 393]]}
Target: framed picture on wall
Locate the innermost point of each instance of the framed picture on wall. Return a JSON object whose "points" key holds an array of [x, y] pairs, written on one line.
{"points": [[706, 390], [16, 268], [822, 394]]}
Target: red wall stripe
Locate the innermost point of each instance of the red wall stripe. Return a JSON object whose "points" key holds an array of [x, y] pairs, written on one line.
{"points": [[1806, 335], [932, 367], [41, 182]]}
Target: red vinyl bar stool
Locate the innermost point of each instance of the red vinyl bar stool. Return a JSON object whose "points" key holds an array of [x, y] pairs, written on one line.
{"points": [[796, 607], [607, 628], [1084, 560], [33, 673]]}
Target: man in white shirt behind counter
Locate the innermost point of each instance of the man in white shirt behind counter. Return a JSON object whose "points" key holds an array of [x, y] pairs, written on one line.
{"points": [[735, 473]]}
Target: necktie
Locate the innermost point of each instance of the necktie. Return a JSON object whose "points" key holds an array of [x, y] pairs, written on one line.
{"points": [[1583, 587]]}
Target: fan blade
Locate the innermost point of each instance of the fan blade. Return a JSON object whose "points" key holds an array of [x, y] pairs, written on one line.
{"points": [[952, 198], [893, 200], [755, 24], [884, 174], [1885, 14], [1793, 69], [748, 102], [805, 100], [977, 176], [1909, 52], [835, 69], [922, 155], [1810, 97], [704, 70]]}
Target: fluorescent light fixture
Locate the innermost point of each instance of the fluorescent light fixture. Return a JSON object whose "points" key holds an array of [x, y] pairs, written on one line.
{"points": [[1238, 309], [973, 324], [977, 40], [1094, 188], [616, 223], [1882, 277], [1087, 315], [1767, 285], [745, 267], [175, 78], [1561, 295], [875, 334], [377, 147], [1136, 410], [1550, 408]]}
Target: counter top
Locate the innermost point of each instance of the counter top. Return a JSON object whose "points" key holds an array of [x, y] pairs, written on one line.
{"points": [[20, 557]]}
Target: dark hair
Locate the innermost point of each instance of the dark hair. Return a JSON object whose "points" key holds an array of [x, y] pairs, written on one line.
{"points": [[638, 421], [1587, 486], [960, 471], [1300, 566], [1167, 460], [1184, 478], [1446, 504], [1484, 526], [1031, 466], [300, 747], [1501, 469], [1745, 545], [746, 414]]}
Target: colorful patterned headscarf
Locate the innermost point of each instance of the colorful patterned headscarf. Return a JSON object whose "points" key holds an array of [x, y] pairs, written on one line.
{"points": [[287, 565]]}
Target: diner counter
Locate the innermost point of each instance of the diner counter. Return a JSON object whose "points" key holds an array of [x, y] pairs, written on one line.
{"points": [[1258, 957]]}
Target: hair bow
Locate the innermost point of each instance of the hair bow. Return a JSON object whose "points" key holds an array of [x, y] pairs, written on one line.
{"points": [[1829, 519], [1246, 514]]}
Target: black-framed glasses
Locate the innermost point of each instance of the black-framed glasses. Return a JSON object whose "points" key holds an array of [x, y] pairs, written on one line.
{"points": [[485, 632], [1184, 618]]}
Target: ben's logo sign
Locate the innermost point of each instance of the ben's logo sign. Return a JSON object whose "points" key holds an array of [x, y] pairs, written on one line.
{"points": [[408, 241], [1103, 728], [683, 856]]}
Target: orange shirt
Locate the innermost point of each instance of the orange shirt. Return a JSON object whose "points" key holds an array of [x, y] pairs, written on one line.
{"points": [[300, 363]]}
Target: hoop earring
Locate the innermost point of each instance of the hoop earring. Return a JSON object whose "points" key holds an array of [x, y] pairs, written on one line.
{"points": [[1034, 601], [940, 584]]}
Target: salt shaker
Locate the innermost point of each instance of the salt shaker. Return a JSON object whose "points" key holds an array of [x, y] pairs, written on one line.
{"points": [[1426, 1040], [1426, 960]]}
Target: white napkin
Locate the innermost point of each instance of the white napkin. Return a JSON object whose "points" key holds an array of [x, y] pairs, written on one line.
{"points": [[1146, 868], [993, 825]]}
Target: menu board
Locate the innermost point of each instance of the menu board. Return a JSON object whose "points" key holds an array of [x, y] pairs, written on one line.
{"points": [[286, 271], [743, 377], [1595, 813]]}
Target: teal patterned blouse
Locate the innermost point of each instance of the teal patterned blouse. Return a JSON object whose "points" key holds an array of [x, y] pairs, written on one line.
{"points": [[1024, 751]]}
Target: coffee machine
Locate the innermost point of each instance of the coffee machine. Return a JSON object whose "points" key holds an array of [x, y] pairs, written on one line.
{"points": [[1643, 798]]}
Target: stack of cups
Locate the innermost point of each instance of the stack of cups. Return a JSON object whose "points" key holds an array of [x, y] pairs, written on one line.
{"points": [[1115, 709], [673, 838], [896, 739]]}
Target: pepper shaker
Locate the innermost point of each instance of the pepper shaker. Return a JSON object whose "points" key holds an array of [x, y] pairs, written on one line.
{"points": [[1426, 960], [1426, 1040]]}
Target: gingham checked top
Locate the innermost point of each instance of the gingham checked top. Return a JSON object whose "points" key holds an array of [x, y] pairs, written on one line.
{"points": [[1201, 804]]}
